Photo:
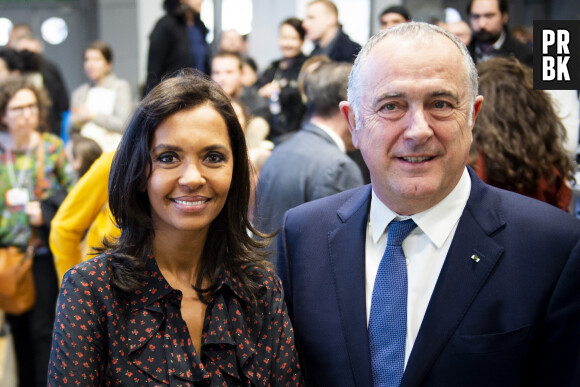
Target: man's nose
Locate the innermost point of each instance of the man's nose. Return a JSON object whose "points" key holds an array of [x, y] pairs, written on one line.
{"points": [[482, 23], [418, 128]]}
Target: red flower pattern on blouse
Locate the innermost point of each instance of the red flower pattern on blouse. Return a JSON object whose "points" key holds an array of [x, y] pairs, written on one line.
{"points": [[99, 340]]}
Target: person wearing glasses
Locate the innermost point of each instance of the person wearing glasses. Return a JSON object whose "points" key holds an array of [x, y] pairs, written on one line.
{"points": [[33, 182]]}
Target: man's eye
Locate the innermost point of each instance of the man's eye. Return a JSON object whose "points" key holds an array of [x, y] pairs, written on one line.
{"points": [[390, 106], [441, 105]]}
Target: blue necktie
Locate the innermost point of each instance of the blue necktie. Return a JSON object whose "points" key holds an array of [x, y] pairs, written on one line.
{"points": [[388, 317]]}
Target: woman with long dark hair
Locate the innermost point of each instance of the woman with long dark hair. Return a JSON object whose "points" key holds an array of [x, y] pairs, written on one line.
{"points": [[185, 295]]}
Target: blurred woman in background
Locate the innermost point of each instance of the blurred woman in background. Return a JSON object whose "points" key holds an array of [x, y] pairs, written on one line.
{"points": [[33, 183], [101, 106], [518, 138], [279, 82]]}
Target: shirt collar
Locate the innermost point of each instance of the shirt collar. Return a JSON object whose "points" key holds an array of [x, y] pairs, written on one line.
{"points": [[153, 287], [490, 50], [437, 222], [332, 134], [497, 45], [227, 279]]}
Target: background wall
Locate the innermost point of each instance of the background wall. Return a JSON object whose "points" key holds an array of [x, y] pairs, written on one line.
{"points": [[126, 25]]}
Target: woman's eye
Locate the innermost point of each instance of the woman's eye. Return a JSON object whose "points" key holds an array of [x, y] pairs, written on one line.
{"points": [[215, 157], [167, 158]]}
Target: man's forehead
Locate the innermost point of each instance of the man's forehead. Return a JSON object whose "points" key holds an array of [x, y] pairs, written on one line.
{"points": [[483, 6], [412, 44], [414, 58]]}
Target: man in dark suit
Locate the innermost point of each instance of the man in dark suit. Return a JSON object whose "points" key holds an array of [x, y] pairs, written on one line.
{"points": [[491, 289], [322, 28], [491, 37], [312, 164]]}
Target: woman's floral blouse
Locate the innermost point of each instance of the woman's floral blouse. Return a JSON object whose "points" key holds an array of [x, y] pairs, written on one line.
{"points": [[100, 340]]}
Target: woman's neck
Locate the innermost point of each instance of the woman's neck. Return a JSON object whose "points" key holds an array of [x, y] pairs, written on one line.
{"points": [[99, 82], [179, 257]]}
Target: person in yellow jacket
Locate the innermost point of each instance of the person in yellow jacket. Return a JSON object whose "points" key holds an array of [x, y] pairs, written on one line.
{"points": [[85, 208]]}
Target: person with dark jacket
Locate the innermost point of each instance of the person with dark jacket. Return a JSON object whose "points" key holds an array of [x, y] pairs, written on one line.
{"points": [[491, 37], [279, 82], [322, 28], [177, 41]]}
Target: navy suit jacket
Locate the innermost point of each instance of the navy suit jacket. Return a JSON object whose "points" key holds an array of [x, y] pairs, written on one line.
{"points": [[511, 319]]}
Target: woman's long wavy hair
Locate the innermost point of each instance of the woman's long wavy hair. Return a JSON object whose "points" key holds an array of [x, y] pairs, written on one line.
{"points": [[517, 131], [228, 243]]}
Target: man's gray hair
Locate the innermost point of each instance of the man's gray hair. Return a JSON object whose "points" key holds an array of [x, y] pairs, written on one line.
{"points": [[412, 31]]}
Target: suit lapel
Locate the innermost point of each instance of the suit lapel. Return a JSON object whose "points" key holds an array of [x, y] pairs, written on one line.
{"points": [[460, 280], [346, 246]]}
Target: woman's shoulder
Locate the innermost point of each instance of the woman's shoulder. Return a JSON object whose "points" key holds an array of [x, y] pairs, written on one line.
{"points": [[95, 268]]}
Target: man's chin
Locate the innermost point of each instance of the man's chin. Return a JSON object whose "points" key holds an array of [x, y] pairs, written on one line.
{"points": [[486, 38]]}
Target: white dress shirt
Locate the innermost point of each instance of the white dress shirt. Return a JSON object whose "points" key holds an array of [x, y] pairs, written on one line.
{"points": [[425, 250]]}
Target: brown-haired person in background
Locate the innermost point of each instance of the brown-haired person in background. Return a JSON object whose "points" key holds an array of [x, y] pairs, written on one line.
{"points": [[101, 106], [33, 183], [22, 39], [518, 138], [184, 296]]}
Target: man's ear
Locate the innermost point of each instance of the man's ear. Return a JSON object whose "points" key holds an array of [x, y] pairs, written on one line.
{"points": [[348, 114], [505, 17], [476, 109]]}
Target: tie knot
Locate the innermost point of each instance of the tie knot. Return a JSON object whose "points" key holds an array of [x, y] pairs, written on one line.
{"points": [[398, 231]]}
